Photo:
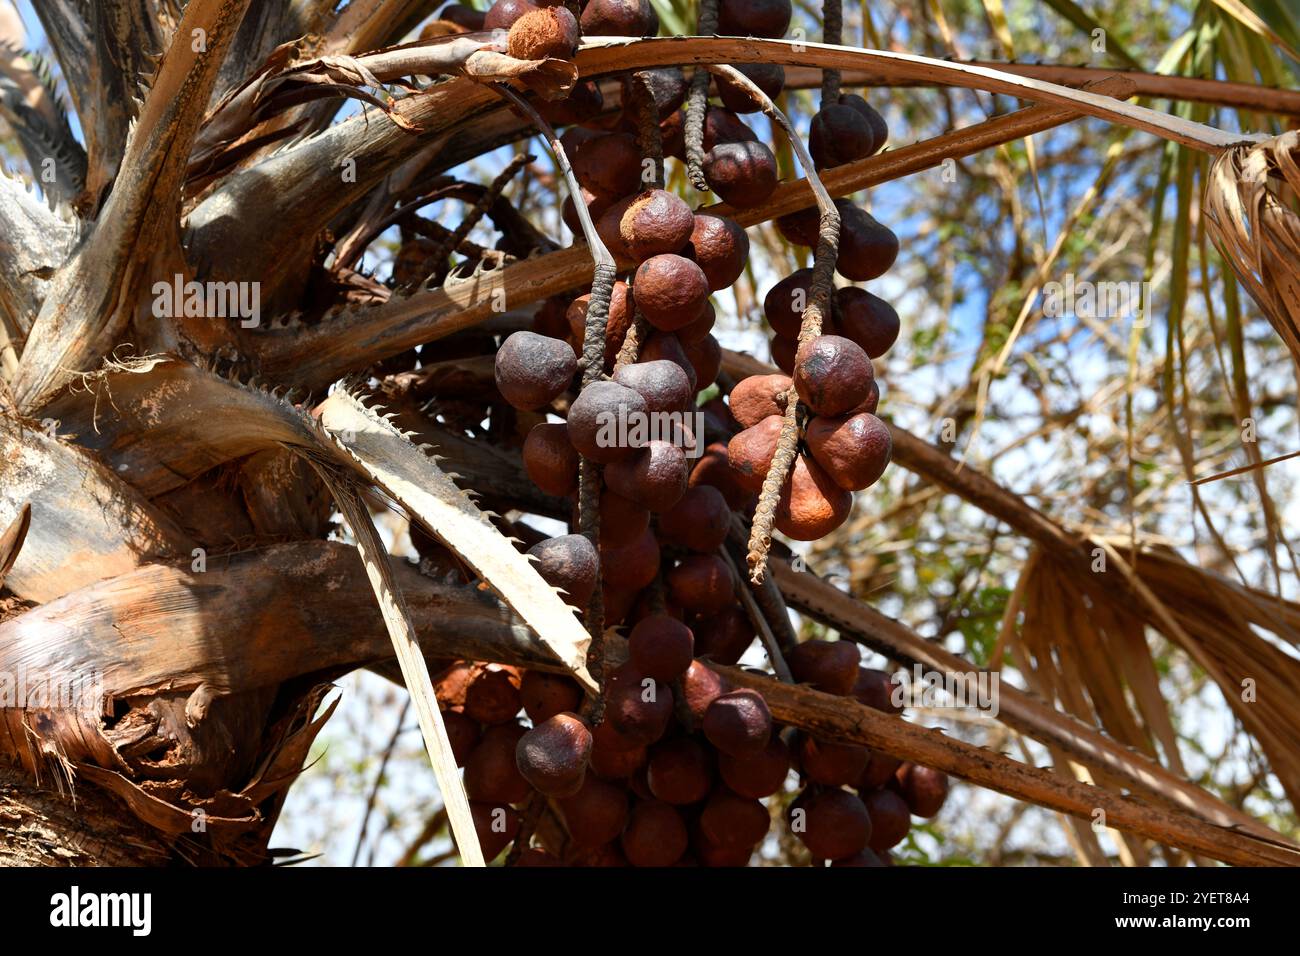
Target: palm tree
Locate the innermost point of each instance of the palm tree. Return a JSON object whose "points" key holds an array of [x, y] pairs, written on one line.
{"points": [[200, 368]]}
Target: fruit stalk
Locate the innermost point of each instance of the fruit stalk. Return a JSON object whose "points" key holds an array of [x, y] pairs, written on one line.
{"points": [[591, 363], [697, 104], [832, 35], [819, 304], [648, 134]]}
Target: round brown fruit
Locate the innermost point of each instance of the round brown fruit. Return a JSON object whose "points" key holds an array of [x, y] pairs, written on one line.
{"points": [[758, 397], [655, 476], [622, 520], [831, 374], [867, 248], [656, 222], [679, 771], [550, 460], [829, 666], [839, 135], [699, 521], [661, 647], [800, 228], [835, 824], [545, 695], [768, 77], [743, 174], [750, 452], [701, 583], [730, 820], [609, 165], [853, 449], [496, 825], [613, 756], [714, 470], [637, 706], [655, 835], [462, 734], [599, 420], [701, 686], [633, 566], [720, 247], [811, 505], [866, 319], [724, 126], [609, 226], [754, 18], [596, 207], [663, 384], [553, 755], [619, 18], [786, 301], [757, 775], [724, 637], [694, 333], [551, 319], [671, 291], [570, 563], [493, 694], [738, 723], [533, 370], [541, 34], [583, 103], [830, 762], [491, 774], [890, 819], [924, 788], [596, 814], [875, 688]]}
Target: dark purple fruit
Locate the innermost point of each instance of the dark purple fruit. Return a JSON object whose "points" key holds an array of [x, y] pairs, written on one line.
{"points": [[491, 774], [545, 695], [924, 788], [701, 584], [786, 301], [553, 755], [839, 135], [495, 824], [757, 775], [663, 384], [730, 820], [619, 18], [768, 77], [600, 420], [879, 128], [890, 819], [867, 248], [679, 771], [830, 762], [724, 637], [550, 459], [655, 476], [661, 647], [655, 835], [699, 521], [701, 686], [622, 520], [533, 370], [596, 814], [632, 566], [738, 723], [570, 563], [613, 755], [743, 174], [637, 706], [875, 688], [834, 824], [829, 666], [866, 319], [754, 18]]}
